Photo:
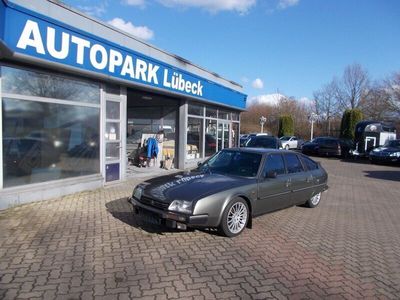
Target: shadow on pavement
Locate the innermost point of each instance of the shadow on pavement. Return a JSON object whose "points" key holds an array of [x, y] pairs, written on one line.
{"points": [[356, 160], [122, 210], [385, 175]]}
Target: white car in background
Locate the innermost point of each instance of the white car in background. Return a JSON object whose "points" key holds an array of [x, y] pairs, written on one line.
{"points": [[291, 142]]}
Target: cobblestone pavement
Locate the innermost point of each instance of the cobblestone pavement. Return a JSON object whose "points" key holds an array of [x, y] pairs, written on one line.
{"points": [[88, 245]]}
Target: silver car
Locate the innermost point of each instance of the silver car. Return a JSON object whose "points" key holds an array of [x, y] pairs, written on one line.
{"points": [[231, 188]]}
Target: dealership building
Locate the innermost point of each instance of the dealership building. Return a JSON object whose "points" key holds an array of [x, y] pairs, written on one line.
{"points": [[81, 100]]}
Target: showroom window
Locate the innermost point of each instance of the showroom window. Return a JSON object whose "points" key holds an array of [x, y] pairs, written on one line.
{"points": [[50, 127], [221, 130], [194, 147]]}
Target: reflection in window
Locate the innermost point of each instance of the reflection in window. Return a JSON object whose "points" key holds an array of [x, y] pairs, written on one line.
{"points": [[46, 141], [112, 110], [194, 138], [293, 163], [211, 137], [196, 110], [34, 83], [211, 112], [274, 164]]}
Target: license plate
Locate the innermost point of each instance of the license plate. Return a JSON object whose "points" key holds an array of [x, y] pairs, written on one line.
{"points": [[150, 218]]}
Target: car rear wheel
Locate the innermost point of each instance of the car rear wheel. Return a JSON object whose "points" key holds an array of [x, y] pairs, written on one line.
{"points": [[287, 147], [314, 200], [234, 218]]}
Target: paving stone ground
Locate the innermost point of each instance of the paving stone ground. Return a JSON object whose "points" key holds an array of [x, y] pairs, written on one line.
{"points": [[88, 245]]}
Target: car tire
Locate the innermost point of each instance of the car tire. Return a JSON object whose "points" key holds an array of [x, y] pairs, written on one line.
{"points": [[287, 147], [314, 200], [235, 218]]}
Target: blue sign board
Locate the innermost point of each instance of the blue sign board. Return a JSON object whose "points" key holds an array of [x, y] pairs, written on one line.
{"points": [[35, 35]]}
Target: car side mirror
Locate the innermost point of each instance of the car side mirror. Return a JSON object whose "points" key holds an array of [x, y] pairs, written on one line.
{"points": [[199, 163], [271, 174]]}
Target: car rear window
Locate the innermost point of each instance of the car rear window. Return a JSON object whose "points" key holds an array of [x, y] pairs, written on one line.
{"points": [[329, 143], [309, 163]]}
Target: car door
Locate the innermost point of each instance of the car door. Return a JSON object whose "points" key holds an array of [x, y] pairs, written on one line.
{"points": [[314, 174], [300, 180], [273, 186]]}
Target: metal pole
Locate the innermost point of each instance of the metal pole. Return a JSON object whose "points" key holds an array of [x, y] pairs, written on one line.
{"points": [[312, 129]]}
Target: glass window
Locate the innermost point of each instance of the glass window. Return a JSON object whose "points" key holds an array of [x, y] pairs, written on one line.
{"points": [[194, 138], [211, 137], [196, 110], [48, 141], [34, 83], [274, 164], [112, 110], [112, 131], [235, 116], [223, 115], [309, 163], [235, 134], [293, 163], [112, 151], [211, 112]]}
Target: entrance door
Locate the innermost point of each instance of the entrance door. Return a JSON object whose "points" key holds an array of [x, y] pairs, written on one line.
{"points": [[223, 135], [113, 135]]}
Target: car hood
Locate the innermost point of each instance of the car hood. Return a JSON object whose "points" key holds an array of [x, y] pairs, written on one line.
{"points": [[189, 186]]}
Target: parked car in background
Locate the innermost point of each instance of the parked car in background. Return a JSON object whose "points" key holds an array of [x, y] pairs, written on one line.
{"points": [[389, 153], [291, 142], [245, 137], [231, 188], [328, 146], [264, 141]]}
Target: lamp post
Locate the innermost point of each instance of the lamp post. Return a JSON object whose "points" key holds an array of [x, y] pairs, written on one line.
{"points": [[312, 118], [262, 122]]}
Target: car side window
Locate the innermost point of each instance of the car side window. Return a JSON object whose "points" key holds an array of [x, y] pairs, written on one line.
{"points": [[310, 164], [293, 163], [275, 164]]}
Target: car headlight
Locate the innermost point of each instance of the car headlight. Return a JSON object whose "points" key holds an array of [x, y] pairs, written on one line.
{"points": [[395, 154], [137, 192], [181, 206]]}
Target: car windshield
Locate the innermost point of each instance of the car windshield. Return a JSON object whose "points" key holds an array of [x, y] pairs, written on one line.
{"points": [[235, 163], [285, 138], [393, 143]]}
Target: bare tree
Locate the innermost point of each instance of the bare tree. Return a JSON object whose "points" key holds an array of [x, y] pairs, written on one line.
{"points": [[353, 86], [393, 88], [375, 103], [326, 102]]}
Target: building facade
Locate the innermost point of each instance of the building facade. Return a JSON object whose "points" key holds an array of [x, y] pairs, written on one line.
{"points": [[79, 99]]}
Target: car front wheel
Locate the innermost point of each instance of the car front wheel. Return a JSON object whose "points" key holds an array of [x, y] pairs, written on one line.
{"points": [[287, 147], [314, 200], [234, 218]]}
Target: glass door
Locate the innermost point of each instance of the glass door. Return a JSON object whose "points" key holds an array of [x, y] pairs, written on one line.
{"points": [[113, 135], [223, 135]]}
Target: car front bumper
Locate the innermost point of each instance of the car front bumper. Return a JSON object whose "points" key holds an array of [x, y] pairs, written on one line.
{"points": [[169, 218]]}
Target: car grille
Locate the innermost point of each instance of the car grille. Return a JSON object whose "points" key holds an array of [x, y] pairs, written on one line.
{"points": [[154, 203]]}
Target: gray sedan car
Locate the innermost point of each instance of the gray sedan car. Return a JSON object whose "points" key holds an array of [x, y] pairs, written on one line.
{"points": [[231, 188]]}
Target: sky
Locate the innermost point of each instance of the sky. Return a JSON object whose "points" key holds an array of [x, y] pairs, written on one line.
{"points": [[290, 47]]}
